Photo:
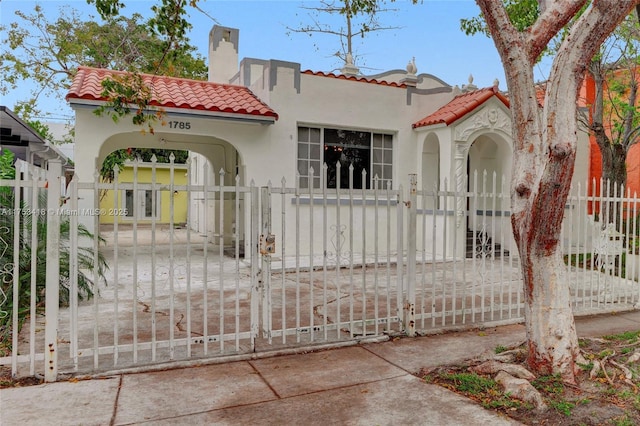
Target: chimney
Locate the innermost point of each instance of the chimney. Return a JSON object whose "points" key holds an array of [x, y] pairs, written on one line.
{"points": [[223, 54]]}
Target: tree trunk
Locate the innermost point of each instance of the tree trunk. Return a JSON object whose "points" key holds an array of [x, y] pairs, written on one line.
{"points": [[551, 335], [544, 157], [614, 155], [614, 164]]}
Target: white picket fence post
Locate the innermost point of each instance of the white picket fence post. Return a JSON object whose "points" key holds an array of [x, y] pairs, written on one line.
{"points": [[410, 301], [52, 289]]}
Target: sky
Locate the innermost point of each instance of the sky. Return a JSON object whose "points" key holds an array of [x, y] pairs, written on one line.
{"points": [[429, 31]]}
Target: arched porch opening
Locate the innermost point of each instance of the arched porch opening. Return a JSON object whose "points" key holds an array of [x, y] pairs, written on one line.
{"points": [[431, 168], [212, 163], [489, 162]]}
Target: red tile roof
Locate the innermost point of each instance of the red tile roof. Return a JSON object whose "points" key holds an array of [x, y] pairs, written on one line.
{"points": [[355, 78], [541, 92], [182, 93], [583, 97], [460, 106]]}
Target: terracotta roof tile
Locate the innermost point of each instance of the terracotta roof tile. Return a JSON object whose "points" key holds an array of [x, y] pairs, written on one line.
{"points": [[355, 78], [460, 106], [170, 92], [541, 91]]}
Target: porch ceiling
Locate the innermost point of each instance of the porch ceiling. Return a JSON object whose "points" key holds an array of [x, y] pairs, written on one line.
{"points": [[19, 138], [14, 131]]}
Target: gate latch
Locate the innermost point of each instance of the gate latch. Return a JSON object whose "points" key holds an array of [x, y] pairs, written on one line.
{"points": [[267, 244]]}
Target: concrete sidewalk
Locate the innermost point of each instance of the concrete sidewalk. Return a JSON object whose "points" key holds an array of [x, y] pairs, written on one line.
{"points": [[368, 384]]}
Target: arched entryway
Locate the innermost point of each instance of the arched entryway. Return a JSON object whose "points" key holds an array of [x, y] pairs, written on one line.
{"points": [[212, 162], [431, 168], [488, 178]]}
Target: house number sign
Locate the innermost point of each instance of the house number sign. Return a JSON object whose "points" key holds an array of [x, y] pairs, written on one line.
{"points": [[182, 125]]}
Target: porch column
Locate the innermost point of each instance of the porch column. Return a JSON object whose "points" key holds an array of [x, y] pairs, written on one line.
{"points": [[460, 161]]}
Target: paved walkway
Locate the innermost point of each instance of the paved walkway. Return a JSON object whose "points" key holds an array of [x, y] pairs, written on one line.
{"points": [[367, 384]]}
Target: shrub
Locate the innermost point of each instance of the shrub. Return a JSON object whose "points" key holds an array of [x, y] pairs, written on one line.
{"points": [[85, 256]]}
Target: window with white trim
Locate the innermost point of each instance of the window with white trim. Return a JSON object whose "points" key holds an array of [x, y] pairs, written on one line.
{"points": [[364, 150], [142, 206]]}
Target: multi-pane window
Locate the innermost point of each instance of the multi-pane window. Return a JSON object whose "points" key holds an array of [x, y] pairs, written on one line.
{"points": [[366, 151], [309, 156], [382, 158], [142, 206]]}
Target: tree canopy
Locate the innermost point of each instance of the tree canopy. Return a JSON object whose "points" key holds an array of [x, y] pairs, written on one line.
{"points": [[50, 53], [50, 56], [613, 117]]}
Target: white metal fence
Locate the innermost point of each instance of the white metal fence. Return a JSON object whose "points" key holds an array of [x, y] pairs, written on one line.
{"points": [[274, 267]]}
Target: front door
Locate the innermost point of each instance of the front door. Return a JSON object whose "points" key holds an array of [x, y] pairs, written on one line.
{"points": [[145, 204]]}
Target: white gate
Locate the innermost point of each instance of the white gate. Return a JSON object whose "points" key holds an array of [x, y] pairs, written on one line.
{"points": [[273, 268], [331, 262]]}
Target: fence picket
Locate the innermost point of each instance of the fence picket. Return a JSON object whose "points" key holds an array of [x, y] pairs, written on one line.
{"points": [[138, 317]]}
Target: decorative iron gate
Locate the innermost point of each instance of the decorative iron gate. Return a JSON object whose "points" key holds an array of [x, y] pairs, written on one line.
{"points": [[268, 268]]}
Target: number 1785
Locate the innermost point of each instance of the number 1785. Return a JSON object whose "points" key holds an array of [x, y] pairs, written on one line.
{"points": [[183, 125]]}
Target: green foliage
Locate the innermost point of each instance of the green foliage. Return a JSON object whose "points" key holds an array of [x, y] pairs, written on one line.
{"points": [[615, 70], [118, 158], [107, 8], [585, 367], [523, 13], [499, 349], [623, 421], [550, 384], [563, 407], [155, 46], [7, 170], [47, 50], [629, 336], [605, 353], [470, 382], [41, 129], [30, 221], [172, 51], [505, 402], [124, 91]]}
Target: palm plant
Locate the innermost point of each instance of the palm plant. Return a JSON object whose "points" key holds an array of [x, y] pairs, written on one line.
{"points": [[86, 288]]}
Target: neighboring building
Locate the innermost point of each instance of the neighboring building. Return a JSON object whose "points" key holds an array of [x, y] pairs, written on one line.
{"points": [[62, 134], [26, 144], [146, 206], [268, 120], [31, 151], [595, 158]]}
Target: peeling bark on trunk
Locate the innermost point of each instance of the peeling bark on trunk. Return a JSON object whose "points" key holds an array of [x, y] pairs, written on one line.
{"points": [[544, 157]]}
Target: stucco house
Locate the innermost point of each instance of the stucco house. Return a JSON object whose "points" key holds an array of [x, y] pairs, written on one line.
{"points": [[126, 205], [269, 121]]}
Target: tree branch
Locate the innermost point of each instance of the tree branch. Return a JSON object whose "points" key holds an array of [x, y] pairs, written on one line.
{"points": [[577, 50], [512, 47], [628, 121], [553, 18]]}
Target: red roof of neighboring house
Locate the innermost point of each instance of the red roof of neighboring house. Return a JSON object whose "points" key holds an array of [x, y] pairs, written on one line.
{"points": [[355, 78], [541, 92], [171, 92], [460, 106]]}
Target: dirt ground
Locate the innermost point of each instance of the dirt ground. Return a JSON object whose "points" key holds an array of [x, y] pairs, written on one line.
{"points": [[606, 398]]}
